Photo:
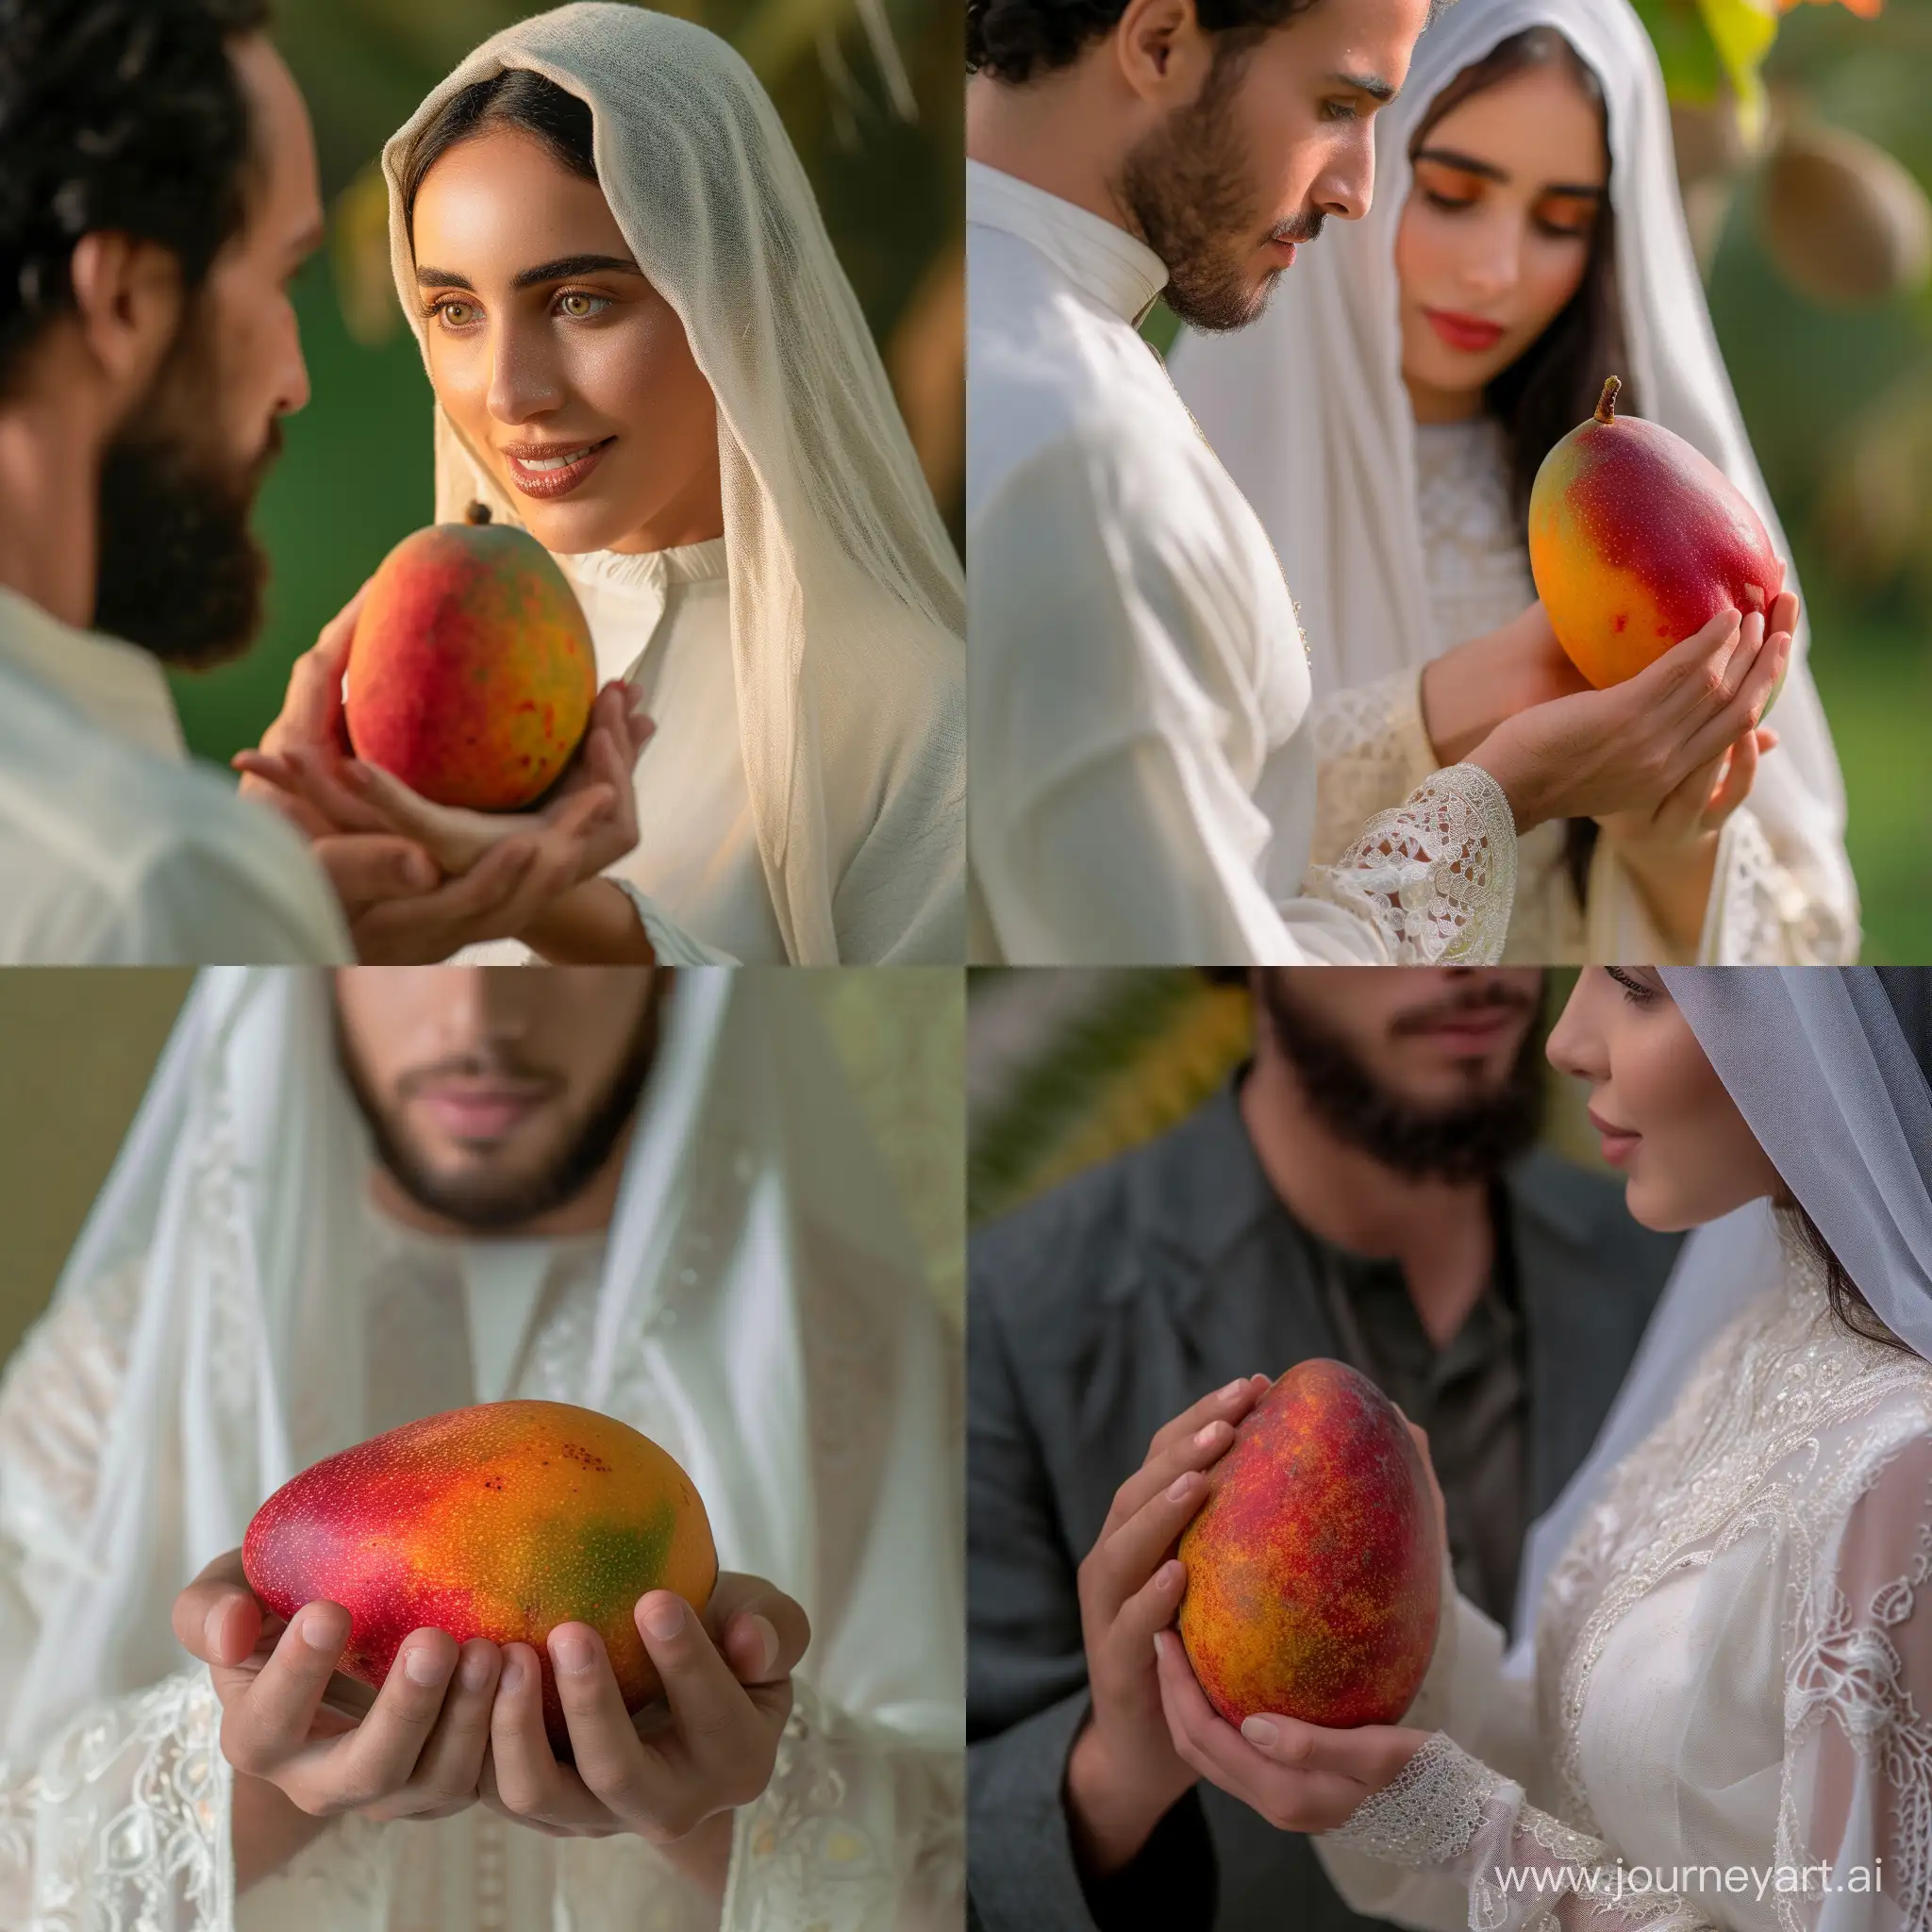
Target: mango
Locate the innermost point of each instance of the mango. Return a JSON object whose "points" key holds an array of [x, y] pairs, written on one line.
{"points": [[503, 1522], [1315, 1566], [1637, 541], [472, 672]]}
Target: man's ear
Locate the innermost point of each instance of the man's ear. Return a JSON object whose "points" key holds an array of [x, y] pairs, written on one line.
{"points": [[1163, 53], [127, 302]]}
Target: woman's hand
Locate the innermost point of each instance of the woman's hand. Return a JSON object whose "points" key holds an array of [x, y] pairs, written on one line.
{"points": [[668, 1773], [1299, 1776], [1473, 687], [1629, 748]]}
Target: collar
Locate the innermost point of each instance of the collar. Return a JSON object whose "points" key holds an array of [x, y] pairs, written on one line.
{"points": [[1099, 258], [117, 685], [654, 570]]}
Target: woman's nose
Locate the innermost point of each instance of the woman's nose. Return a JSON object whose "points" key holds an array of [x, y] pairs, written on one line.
{"points": [[1494, 262], [1576, 1044], [525, 381]]}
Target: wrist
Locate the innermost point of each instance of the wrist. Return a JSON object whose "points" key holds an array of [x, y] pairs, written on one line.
{"points": [[1113, 1803], [266, 1828], [593, 923], [1499, 757]]}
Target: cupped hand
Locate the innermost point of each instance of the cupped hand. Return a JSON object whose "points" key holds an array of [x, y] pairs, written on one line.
{"points": [[1299, 1776], [417, 1751], [1471, 687], [1630, 746], [668, 1773], [1122, 1774]]}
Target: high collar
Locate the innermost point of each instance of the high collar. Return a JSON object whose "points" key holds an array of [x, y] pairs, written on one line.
{"points": [[1101, 259], [117, 685], [653, 571]]}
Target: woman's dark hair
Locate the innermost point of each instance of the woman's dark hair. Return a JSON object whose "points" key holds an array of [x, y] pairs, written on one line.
{"points": [[115, 114], [514, 98], [1849, 1308], [1556, 382], [1015, 40]]}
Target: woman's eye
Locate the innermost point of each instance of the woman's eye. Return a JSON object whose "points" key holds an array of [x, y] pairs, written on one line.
{"points": [[455, 314], [580, 307], [1447, 204], [1635, 992]]}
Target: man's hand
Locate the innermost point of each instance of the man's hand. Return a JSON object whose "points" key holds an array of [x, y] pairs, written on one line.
{"points": [[667, 1773], [418, 1751], [1298, 1776], [310, 721], [1122, 1774]]}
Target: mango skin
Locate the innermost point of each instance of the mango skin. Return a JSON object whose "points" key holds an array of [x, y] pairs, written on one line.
{"points": [[501, 1520], [472, 672], [1637, 541], [1315, 1566]]}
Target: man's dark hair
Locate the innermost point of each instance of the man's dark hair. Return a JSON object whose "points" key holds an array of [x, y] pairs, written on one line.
{"points": [[1015, 40], [121, 115], [517, 97]]}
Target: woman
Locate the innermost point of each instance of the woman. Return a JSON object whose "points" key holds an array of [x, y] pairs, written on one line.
{"points": [[644, 352], [1732, 1640], [1387, 417]]}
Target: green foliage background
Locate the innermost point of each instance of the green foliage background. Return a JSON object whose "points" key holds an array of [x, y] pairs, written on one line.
{"points": [[355, 475]]}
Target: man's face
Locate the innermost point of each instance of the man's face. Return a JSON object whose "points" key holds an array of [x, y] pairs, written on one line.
{"points": [[496, 1095], [1279, 137], [1431, 1070], [180, 571]]}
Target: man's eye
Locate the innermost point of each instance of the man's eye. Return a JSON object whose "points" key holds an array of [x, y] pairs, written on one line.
{"points": [[1341, 110]]}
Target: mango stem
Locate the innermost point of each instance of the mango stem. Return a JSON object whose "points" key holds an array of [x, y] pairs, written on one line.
{"points": [[479, 511], [1606, 402]]}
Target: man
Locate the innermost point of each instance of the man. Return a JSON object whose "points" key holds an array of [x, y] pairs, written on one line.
{"points": [[1367, 1191], [455, 1186], [1143, 791], [160, 192]]}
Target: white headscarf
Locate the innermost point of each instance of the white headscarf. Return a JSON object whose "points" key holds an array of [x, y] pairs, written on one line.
{"points": [[239, 1191], [1307, 409], [847, 598], [1827, 1065]]}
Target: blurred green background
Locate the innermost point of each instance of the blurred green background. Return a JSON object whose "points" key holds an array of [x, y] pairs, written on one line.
{"points": [[870, 92]]}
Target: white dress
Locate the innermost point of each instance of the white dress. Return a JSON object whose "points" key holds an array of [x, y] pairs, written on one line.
{"points": [[1734, 1673], [116, 849], [1374, 750], [126, 1809], [1143, 786]]}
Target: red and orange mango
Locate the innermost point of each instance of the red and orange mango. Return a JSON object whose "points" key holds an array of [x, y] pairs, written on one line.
{"points": [[501, 1521], [1315, 1566], [1637, 541], [472, 672]]}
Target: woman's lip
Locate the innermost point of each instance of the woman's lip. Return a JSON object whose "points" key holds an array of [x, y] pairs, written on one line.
{"points": [[547, 483], [1469, 333], [1618, 1143]]}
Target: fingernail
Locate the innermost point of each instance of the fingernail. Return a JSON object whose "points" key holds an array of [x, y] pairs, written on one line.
{"points": [[416, 870], [423, 1666], [767, 1644], [212, 1630], [315, 1625], [572, 1651], [1160, 1637], [512, 1679], [1261, 1732], [473, 1671], [1234, 1388], [1169, 1576], [664, 1618], [1203, 1437], [1180, 1486]]}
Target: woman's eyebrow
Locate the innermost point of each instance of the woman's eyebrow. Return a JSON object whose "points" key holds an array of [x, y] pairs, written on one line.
{"points": [[567, 265], [1463, 164]]}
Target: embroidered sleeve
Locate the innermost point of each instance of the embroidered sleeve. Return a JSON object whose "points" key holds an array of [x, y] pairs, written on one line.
{"points": [[1371, 752], [1761, 912], [1436, 876]]}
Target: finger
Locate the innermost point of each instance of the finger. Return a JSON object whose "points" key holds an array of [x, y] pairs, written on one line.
{"points": [[1150, 1607], [717, 1723], [1227, 1404], [217, 1619], [1676, 679], [761, 1631], [1123, 1562], [320, 777], [367, 868], [608, 1756], [405, 930], [1784, 613], [1191, 1440], [270, 1722], [451, 1760], [524, 1771], [1741, 714], [384, 792], [378, 1759], [1734, 782], [340, 630]]}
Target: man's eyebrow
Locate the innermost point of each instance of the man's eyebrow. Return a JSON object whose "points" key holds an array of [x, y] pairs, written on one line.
{"points": [[567, 265], [1373, 85]]}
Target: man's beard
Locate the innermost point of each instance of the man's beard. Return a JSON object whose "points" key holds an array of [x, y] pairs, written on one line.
{"points": [[494, 1203], [1459, 1141], [180, 572], [1186, 186]]}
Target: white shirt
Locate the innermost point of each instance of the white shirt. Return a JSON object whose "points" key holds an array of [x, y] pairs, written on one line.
{"points": [[115, 849], [1140, 790]]}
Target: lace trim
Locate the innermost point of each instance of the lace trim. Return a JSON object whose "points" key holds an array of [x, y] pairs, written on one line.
{"points": [[1763, 914], [1371, 752], [1436, 877], [1428, 1814]]}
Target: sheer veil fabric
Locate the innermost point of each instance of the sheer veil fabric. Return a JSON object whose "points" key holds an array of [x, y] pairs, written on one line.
{"points": [[1307, 409], [847, 598], [749, 1189]]}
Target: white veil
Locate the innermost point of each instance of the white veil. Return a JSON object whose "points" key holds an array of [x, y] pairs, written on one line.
{"points": [[1308, 410], [847, 598], [1828, 1067], [235, 1195]]}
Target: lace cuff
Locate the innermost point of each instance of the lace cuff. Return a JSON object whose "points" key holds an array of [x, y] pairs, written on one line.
{"points": [[861, 1827], [1436, 876], [1371, 752], [1760, 913], [1524, 1870]]}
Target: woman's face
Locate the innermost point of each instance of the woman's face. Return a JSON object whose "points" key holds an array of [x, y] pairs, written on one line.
{"points": [[565, 371], [1666, 1119], [1495, 233]]}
